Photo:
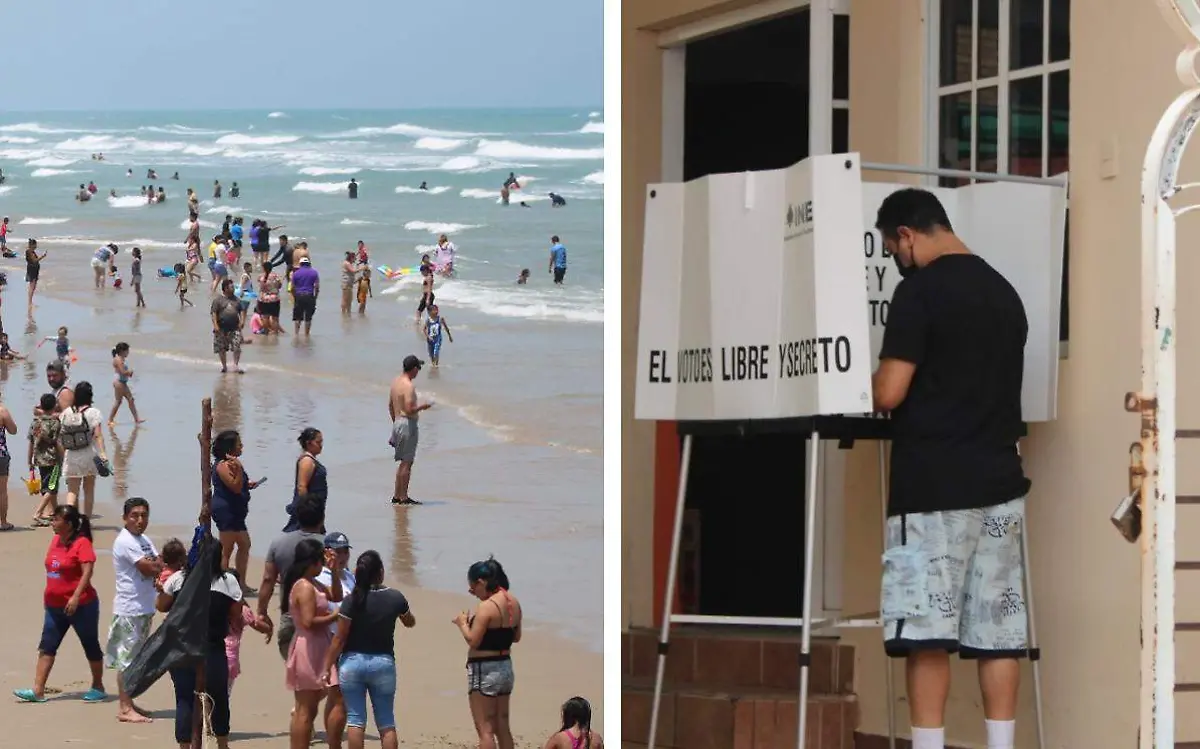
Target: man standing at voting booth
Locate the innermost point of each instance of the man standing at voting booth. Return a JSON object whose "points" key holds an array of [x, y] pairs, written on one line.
{"points": [[950, 373]]}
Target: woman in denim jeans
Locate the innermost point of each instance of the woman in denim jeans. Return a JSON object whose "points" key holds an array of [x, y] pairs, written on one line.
{"points": [[364, 649]]}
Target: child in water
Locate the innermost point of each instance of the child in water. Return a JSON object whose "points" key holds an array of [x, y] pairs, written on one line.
{"points": [[62, 347], [6, 352], [135, 271], [435, 325], [181, 285], [523, 277]]}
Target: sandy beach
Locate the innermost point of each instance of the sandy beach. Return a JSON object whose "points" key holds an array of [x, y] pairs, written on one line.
{"points": [[431, 705]]}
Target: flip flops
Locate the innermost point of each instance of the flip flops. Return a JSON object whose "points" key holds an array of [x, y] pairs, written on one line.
{"points": [[94, 695], [27, 695]]}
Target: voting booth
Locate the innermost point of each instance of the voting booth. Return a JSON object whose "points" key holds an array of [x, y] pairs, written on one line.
{"points": [[763, 302]]}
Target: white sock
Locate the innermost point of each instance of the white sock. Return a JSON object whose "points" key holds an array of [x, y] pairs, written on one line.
{"points": [[1001, 733], [929, 738]]}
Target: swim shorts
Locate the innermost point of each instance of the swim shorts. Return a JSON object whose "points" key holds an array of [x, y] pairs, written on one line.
{"points": [[954, 581], [491, 678], [435, 349], [304, 308], [559, 274], [125, 636], [227, 340], [405, 433]]}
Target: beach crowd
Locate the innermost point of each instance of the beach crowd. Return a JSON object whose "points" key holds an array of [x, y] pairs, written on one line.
{"points": [[335, 619]]}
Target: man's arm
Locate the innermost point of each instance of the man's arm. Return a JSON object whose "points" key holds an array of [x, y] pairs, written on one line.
{"points": [[392, 406], [890, 383], [903, 348], [266, 589]]}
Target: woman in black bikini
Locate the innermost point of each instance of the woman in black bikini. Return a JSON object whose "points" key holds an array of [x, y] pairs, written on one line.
{"points": [[490, 634]]}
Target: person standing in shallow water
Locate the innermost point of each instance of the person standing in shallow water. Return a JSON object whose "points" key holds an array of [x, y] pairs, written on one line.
{"points": [[33, 269], [228, 319], [405, 411], [122, 374]]}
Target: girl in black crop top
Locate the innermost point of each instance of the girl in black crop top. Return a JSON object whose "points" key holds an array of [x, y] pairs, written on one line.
{"points": [[490, 634]]}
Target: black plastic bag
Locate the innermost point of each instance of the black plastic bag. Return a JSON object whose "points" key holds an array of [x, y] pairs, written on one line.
{"points": [[182, 639]]}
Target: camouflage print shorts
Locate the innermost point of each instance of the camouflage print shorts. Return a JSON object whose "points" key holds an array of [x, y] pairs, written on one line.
{"points": [[125, 635], [227, 340]]}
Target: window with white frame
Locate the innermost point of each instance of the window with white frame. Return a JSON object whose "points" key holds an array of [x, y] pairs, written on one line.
{"points": [[1002, 76]]}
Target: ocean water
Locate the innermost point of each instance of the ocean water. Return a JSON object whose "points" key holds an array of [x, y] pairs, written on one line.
{"points": [[510, 461]]}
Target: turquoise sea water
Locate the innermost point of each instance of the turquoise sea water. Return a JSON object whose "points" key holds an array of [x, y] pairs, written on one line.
{"points": [[511, 455]]}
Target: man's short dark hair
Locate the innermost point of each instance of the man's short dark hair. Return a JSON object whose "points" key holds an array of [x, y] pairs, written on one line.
{"points": [[919, 210], [310, 512], [133, 503]]}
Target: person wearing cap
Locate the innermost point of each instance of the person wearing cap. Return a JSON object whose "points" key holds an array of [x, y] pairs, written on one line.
{"points": [[306, 286], [102, 263], [337, 556], [405, 411]]}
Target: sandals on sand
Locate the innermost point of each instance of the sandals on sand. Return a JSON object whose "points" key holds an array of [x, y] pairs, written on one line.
{"points": [[94, 695], [27, 695]]}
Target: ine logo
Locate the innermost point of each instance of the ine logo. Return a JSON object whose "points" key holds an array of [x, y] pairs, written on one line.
{"points": [[799, 219]]}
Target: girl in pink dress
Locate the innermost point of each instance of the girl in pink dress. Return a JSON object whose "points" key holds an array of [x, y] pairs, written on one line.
{"points": [[308, 604], [233, 641]]}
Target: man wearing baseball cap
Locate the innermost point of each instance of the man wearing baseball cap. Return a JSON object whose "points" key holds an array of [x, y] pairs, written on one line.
{"points": [[337, 556], [404, 410]]}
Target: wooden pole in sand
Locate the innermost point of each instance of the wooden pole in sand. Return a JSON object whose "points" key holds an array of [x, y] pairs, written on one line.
{"points": [[205, 439]]}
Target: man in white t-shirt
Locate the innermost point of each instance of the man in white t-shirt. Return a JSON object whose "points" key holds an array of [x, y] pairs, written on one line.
{"points": [[137, 566], [337, 551]]}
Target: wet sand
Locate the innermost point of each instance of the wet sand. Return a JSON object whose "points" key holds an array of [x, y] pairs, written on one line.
{"points": [[530, 503]]}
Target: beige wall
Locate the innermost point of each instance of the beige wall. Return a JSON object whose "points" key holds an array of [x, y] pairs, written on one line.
{"points": [[1085, 578]]}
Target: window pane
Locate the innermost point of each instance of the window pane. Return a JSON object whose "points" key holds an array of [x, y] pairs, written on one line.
{"points": [[1025, 34], [1060, 30], [1059, 121], [954, 135], [841, 57], [954, 49], [988, 41], [1025, 127], [841, 130], [987, 130]]}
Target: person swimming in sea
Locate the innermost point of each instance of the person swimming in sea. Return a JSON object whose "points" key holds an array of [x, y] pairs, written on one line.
{"points": [[523, 277], [423, 186]]}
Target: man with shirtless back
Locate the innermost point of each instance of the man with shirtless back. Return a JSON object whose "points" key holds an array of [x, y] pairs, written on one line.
{"points": [[405, 411]]}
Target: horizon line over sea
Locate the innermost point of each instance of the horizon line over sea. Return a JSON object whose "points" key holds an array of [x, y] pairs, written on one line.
{"points": [[511, 459]]}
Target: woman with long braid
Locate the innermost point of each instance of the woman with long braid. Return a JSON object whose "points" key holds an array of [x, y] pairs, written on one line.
{"points": [[364, 651]]}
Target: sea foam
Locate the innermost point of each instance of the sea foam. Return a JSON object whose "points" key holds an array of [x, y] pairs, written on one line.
{"points": [[324, 171], [510, 150], [434, 227], [328, 188], [36, 221], [431, 143], [405, 189]]}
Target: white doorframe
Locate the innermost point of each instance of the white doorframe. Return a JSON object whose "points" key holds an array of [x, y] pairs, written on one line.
{"points": [[830, 539]]}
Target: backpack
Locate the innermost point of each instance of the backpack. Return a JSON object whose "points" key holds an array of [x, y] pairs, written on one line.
{"points": [[76, 436]]}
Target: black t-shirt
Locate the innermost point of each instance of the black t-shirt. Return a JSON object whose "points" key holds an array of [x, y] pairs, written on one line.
{"points": [[373, 627], [955, 435]]}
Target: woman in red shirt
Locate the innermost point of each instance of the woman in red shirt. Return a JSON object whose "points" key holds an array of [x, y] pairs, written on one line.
{"points": [[71, 603]]}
